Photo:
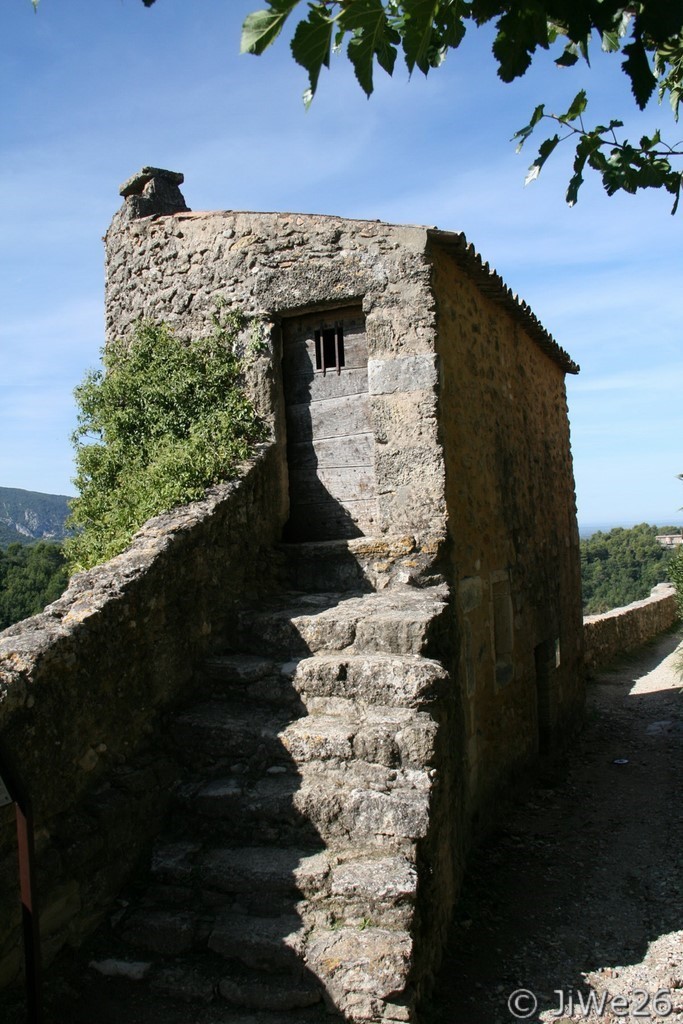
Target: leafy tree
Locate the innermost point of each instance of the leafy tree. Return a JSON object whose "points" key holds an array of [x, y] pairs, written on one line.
{"points": [[648, 34], [31, 576], [622, 566], [676, 577], [159, 423], [676, 571]]}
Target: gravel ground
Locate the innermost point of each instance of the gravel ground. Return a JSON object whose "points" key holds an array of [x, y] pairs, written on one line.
{"points": [[573, 911]]}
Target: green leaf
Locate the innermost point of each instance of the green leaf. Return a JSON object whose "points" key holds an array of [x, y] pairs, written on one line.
{"points": [[669, 68], [524, 133], [418, 25], [649, 142], [520, 31], [311, 46], [659, 21], [544, 151], [261, 28], [450, 25], [576, 108], [637, 67], [570, 56], [586, 146], [611, 41], [372, 38]]}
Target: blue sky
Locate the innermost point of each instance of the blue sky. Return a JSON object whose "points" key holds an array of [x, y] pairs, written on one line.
{"points": [[93, 91]]}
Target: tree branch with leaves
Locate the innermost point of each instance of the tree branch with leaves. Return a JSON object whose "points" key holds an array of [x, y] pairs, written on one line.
{"points": [[648, 34]]}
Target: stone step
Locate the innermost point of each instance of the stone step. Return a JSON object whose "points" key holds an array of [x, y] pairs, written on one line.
{"points": [[221, 732], [165, 931], [263, 870], [403, 620], [224, 732], [401, 681], [378, 890], [240, 806], [283, 992], [260, 943], [187, 990], [362, 969], [324, 565], [319, 802], [352, 884], [212, 979], [360, 563], [394, 737], [250, 679]]}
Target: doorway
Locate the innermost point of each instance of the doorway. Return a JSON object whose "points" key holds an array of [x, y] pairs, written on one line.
{"points": [[330, 442]]}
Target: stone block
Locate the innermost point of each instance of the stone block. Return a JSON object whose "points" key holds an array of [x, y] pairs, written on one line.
{"points": [[402, 374], [470, 591], [360, 968]]}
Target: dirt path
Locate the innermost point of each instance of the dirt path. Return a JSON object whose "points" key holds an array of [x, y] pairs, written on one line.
{"points": [[581, 889]]}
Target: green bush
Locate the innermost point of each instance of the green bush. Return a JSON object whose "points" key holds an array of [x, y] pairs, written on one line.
{"points": [[160, 422]]}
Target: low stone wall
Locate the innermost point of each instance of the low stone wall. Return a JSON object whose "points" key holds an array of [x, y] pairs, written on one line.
{"points": [[623, 629], [84, 687]]}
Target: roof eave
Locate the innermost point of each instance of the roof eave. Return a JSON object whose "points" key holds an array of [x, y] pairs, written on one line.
{"points": [[492, 285]]}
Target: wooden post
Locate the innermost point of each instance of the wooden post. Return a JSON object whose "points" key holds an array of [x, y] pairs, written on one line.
{"points": [[13, 791]]}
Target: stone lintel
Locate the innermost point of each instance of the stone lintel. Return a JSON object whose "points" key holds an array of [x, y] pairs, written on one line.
{"points": [[134, 185]]}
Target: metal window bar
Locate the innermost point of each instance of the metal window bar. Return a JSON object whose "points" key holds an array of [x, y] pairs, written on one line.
{"points": [[322, 338], [337, 347]]}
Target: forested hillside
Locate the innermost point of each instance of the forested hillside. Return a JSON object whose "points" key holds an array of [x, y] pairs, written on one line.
{"points": [[32, 566], [622, 566], [31, 576], [31, 515]]}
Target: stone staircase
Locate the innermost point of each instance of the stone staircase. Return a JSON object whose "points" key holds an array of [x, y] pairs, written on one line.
{"points": [[291, 881]]}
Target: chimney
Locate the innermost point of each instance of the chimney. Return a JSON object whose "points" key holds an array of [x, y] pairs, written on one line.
{"points": [[153, 191]]}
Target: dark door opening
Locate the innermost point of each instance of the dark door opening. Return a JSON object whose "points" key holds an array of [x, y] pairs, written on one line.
{"points": [[330, 442]]}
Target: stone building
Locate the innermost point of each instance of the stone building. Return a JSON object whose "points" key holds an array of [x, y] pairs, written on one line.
{"points": [[413, 396], [335, 664]]}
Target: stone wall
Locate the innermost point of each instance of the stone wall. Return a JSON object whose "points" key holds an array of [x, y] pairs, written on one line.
{"points": [[84, 687], [624, 629], [271, 265], [514, 538]]}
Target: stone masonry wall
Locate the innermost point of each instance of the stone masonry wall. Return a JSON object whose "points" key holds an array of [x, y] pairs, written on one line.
{"points": [[83, 689], [624, 629], [498, 412], [515, 544], [268, 265]]}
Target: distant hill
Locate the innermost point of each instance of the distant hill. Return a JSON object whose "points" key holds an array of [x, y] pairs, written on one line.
{"points": [[28, 516]]}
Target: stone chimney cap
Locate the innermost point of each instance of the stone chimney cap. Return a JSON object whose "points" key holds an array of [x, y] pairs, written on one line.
{"points": [[134, 186]]}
